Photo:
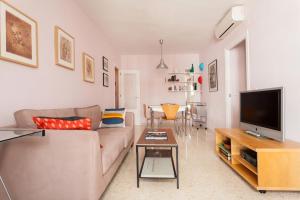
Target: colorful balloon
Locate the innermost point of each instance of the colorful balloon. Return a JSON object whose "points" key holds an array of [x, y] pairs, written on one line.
{"points": [[201, 66], [200, 80]]}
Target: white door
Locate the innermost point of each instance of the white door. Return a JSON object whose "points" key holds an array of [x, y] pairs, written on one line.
{"points": [[130, 92], [237, 83]]}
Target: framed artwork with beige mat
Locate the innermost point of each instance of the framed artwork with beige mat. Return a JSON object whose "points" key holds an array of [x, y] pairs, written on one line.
{"points": [[18, 36], [88, 68], [64, 49]]}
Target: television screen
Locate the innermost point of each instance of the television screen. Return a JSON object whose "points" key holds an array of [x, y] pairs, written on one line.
{"points": [[262, 108]]}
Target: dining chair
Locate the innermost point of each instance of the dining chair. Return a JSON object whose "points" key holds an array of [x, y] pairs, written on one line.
{"points": [[147, 116], [185, 116], [170, 111]]}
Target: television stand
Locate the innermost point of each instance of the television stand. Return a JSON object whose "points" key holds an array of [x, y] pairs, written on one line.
{"points": [[278, 163], [253, 133]]}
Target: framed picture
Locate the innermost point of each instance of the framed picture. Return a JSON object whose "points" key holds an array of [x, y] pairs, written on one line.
{"points": [[18, 36], [213, 76], [105, 64], [105, 80], [88, 64], [64, 49]]}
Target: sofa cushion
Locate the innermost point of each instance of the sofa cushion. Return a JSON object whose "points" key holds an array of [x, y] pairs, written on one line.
{"points": [[24, 117], [126, 134], [113, 118], [92, 112], [63, 123], [112, 147]]}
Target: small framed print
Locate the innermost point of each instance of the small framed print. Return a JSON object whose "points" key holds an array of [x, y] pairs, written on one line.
{"points": [[18, 36], [213, 76], [64, 49], [105, 80], [88, 68], [105, 64]]}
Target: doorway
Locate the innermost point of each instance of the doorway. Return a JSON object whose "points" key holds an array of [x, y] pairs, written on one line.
{"points": [[117, 86], [236, 80], [130, 92]]}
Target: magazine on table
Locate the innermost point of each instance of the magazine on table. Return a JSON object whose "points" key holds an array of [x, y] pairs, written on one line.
{"points": [[156, 135]]}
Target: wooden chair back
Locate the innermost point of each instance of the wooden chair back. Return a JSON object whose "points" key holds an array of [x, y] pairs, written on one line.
{"points": [[146, 111]]}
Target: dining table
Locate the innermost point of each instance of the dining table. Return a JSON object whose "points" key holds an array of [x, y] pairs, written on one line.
{"points": [[158, 108]]}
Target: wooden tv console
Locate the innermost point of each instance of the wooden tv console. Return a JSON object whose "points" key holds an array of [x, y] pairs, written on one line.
{"points": [[278, 163]]}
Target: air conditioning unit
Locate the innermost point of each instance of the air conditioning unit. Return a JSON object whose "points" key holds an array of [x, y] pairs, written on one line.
{"points": [[233, 18]]}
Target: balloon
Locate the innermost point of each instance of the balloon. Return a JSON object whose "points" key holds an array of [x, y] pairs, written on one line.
{"points": [[200, 80], [201, 66]]}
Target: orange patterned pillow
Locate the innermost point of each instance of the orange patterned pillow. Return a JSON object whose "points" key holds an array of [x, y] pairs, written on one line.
{"points": [[64, 123]]}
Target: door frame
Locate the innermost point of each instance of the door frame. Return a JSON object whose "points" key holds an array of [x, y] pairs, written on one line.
{"points": [[243, 37], [137, 112], [117, 87]]}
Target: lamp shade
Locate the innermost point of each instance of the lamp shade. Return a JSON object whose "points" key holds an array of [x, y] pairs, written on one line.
{"points": [[162, 65]]}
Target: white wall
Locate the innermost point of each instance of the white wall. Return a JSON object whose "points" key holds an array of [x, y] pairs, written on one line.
{"points": [[237, 79], [274, 46], [51, 86], [154, 90]]}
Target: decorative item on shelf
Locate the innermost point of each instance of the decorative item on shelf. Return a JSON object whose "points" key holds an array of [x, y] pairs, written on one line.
{"points": [[170, 88], [227, 144], [181, 88], [18, 35], [201, 66], [173, 79], [195, 86], [192, 70], [200, 80], [213, 76]]}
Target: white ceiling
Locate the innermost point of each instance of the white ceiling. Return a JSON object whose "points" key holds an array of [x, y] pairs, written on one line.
{"points": [[135, 26]]}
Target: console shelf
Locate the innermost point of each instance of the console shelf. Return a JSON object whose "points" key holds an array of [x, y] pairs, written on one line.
{"points": [[278, 163], [246, 164]]}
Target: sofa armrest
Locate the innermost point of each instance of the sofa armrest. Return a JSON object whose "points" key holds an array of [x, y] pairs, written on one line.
{"points": [[129, 119], [66, 164]]}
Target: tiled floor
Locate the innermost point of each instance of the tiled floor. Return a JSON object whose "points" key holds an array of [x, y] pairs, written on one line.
{"points": [[202, 176]]}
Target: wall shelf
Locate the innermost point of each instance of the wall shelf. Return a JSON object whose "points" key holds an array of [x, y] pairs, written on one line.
{"points": [[187, 82], [182, 91], [184, 73]]}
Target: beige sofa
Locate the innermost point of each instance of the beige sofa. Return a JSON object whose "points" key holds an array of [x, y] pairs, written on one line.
{"points": [[64, 165]]}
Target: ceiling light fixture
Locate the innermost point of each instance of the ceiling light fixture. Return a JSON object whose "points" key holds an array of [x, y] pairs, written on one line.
{"points": [[162, 64]]}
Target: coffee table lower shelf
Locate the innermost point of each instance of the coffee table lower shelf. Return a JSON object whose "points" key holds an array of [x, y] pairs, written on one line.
{"points": [[155, 167]]}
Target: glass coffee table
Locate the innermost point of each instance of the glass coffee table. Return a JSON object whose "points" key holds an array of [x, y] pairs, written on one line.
{"points": [[158, 162]]}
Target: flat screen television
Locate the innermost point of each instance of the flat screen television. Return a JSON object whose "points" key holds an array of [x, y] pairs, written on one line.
{"points": [[261, 113]]}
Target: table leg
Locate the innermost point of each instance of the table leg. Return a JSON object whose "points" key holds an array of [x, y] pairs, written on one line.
{"points": [[182, 120], [137, 167], [152, 118], [185, 121], [6, 191], [177, 167]]}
